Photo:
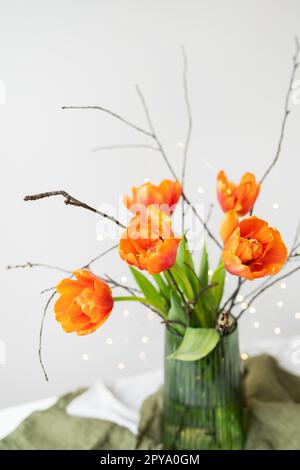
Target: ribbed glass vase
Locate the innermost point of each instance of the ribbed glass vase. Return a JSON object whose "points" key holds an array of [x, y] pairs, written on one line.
{"points": [[202, 399]]}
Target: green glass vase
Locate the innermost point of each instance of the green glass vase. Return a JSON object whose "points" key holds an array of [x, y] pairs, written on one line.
{"points": [[202, 399]]}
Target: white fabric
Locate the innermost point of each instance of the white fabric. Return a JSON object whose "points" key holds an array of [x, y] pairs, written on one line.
{"points": [[286, 351], [120, 400]]}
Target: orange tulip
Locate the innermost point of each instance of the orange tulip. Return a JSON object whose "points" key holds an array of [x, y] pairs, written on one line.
{"points": [[239, 197], [252, 249], [166, 195], [84, 304], [148, 242]]}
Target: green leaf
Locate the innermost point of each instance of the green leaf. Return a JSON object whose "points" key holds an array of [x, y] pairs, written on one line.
{"points": [[196, 344], [184, 256], [163, 288], [181, 278], [149, 290], [176, 313], [204, 267], [185, 262], [218, 277], [202, 315]]}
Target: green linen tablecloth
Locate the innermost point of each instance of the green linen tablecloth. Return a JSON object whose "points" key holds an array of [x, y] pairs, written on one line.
{"points": [[272, 399]]}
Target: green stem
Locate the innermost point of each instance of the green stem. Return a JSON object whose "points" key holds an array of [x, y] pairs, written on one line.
{"points": [[128, 298]]}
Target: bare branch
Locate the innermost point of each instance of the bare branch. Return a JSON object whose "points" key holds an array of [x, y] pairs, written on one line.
{"points": [[160, 148], [209, 213], [263, 289], [93, 260], [38, 265], [124, 146], [190, 124], [252, 292], [202, 221], [153, 133], [70, 200], [41, 334], [286, 111], [130, 290], [165, 157], [233, 296], [86, 266], [115, 115], [295, 243], [204, 289]]}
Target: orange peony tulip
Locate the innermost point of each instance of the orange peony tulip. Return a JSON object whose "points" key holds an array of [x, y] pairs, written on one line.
{"points": [[166, 195], [252, 249], [239, 197], [148, 242], [84, 304]]}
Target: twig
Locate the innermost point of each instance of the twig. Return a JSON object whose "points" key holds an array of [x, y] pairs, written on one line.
{"points": [[70, 200], [209, 213], [40, 265], [203, 222], [86, 266], [93, 260], [41, 334], [295, 243], [205, 288], [165, 157], [131, 290], [189, 129], [153, 133], [175, 322], [263, 289], [115, 115], [124, 146], [159, 145], [206, 220], [286, 111], [44, 291], [233, 296], [252, 292]]}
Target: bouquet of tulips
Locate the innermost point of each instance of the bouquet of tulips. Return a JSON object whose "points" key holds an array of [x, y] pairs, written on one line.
{"points": [[188, 300], [187, 296]]}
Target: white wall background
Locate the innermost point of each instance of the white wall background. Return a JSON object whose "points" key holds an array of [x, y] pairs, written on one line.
{"points": [[61, 52]]}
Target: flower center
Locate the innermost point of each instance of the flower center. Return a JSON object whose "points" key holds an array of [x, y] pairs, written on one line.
{"points": [[249, 250]]}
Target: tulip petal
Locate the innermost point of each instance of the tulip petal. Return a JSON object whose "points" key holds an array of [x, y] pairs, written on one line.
{"points": [[276, 256], [234, 265], [166, 196], [251, 226], [164, 257], [229, 224], [248, 178], [69, 287]]}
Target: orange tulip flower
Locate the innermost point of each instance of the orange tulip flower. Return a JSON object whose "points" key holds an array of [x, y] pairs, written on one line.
{"points": [[84, 304], [166, 195], [148, 242], [252, 249], [239, 197]]}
